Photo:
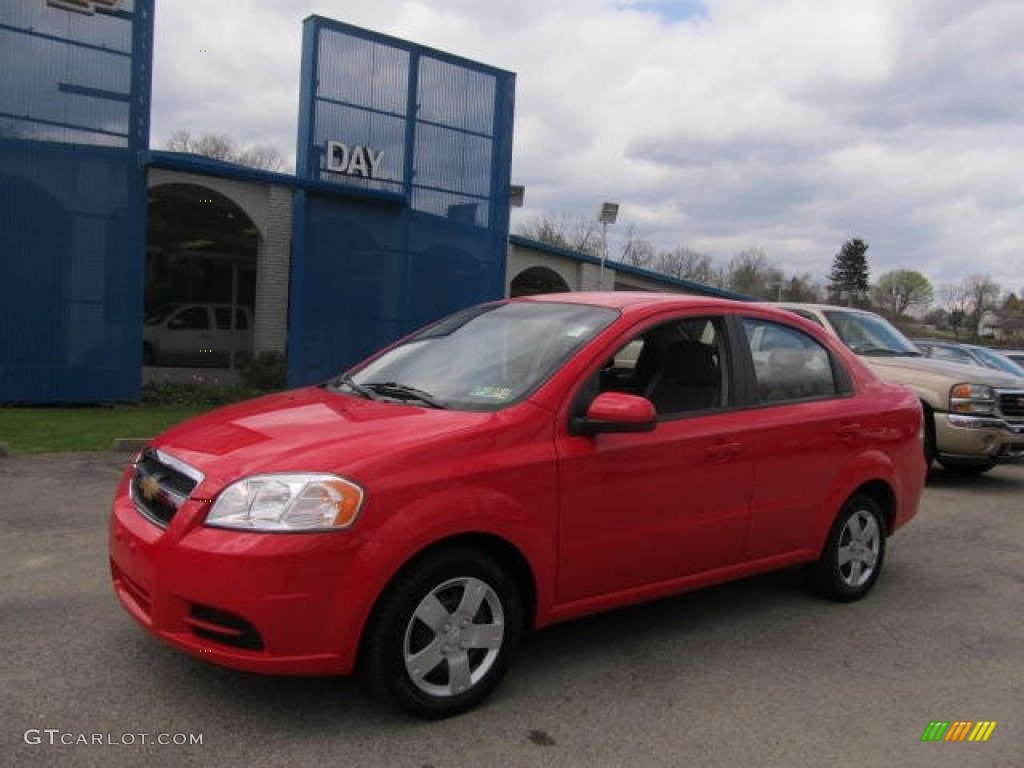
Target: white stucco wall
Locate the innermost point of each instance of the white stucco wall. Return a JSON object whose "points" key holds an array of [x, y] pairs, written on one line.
{"points": [[581, 274]]}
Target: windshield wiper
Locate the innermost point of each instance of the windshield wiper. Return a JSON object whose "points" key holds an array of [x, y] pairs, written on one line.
{"points": [[403, 392], [359, 389]]}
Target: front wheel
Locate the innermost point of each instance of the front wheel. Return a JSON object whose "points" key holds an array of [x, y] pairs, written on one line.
{"points": [[442, 635], [851, 561], [966, 468]]}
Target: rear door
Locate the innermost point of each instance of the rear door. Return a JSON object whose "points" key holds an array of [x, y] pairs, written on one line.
{"points": [[803, 432]]}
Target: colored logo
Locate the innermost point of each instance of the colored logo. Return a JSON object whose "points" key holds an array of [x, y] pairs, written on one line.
{"points": [[958, 730], [86, 6]]}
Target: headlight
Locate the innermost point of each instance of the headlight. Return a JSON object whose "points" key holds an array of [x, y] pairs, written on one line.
{"points": [[972, 399], [300, 502]]}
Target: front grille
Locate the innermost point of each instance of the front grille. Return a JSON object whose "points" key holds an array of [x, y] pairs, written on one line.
{"points": [[223, 627], [160, 486], [1012, 404]]}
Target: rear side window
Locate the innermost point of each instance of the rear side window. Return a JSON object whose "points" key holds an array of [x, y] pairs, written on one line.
{"points": [[788, 364]]}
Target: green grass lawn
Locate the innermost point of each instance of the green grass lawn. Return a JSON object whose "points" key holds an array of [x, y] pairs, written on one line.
{"points": [[53, 430]]}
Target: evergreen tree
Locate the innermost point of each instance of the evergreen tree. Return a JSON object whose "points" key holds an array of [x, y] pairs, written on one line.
{"points": [[848, 280]]}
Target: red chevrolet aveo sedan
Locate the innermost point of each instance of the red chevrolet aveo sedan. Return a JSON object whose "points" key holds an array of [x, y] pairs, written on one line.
{"points": [[513, 465]]}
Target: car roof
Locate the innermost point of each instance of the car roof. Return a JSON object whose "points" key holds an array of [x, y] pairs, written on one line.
{"points": [[624, 299]]}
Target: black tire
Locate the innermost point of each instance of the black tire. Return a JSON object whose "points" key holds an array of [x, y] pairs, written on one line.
{"points": [[854, 553], [966, 468], [458, 615], [929, 437]]}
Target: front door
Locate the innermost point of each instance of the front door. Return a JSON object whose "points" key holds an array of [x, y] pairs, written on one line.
{"points": [[643, 509]]}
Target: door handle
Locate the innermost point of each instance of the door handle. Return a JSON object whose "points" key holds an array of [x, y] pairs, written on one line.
{"points": [[723, 452], [848, 432]]}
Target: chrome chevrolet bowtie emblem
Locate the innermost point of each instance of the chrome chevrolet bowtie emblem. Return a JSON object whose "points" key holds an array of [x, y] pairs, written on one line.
{"points": [[150, 486]]}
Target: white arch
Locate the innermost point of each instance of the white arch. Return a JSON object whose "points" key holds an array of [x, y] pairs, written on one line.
{"points": [[250, 197]]}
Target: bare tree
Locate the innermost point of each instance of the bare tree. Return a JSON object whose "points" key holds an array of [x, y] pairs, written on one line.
{"points": [[222, 147], [801, 288], [957, 301], [983, 295], [684, 264], [574, 233], [636, 251], [263, 156], [1011, 315], [751, 273]]}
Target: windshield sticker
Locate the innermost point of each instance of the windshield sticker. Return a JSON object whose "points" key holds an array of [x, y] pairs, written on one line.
{"points": [[577, 331], [491, 393]]}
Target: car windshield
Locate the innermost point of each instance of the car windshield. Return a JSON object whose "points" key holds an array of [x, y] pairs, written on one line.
{"points": [[868, 334], [997, 361], [481, 359]]}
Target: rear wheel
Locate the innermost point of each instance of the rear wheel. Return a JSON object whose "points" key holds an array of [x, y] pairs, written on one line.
{"points": [[442, 635], [852, 559]]}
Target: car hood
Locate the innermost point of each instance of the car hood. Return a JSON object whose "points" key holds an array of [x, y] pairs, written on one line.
{"points": [[311, 429], [972, 374]]}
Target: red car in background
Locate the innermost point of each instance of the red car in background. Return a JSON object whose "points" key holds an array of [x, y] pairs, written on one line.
{"points": [[513, 465]]}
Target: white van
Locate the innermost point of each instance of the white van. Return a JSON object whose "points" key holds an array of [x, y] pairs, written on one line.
{"points": [[197, 334]]}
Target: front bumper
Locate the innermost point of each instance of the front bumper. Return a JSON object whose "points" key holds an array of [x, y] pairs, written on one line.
{"points": [[978, 438], [271, 603]]}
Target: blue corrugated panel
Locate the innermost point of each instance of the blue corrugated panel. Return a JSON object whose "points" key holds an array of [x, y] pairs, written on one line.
{"points": [[364, 275], [73, 113]]}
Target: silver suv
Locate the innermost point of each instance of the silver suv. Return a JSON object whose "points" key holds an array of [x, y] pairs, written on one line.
{"points": [[974, 417]]}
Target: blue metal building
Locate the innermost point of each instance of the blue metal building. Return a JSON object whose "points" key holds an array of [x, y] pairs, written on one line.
{"points": [[74, 113], [400, 196]]}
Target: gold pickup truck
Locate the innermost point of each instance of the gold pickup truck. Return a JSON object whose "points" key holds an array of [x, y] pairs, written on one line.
{"points": [[974, 417]]}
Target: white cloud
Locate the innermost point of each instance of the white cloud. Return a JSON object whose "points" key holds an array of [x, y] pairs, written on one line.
{"points": [[721, 125]]}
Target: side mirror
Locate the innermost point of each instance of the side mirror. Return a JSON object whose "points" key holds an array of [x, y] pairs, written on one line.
{"points": [[616, 412]]}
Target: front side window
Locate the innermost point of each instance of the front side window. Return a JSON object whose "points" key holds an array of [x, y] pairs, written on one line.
{"points": [[191, 319], [788, 364], [678, 366], [481, 359]]}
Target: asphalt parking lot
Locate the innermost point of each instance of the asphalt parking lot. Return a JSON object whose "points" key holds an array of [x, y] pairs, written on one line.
{"points": [[755, 673]]}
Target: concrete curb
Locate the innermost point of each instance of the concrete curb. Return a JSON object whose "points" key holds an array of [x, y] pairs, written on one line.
{"points": [[130, 444]]}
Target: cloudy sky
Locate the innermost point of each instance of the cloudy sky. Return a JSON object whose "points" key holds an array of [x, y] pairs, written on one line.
{"points": [[720, 125]]}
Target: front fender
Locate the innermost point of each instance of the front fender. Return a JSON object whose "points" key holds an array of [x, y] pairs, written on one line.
{"points": [[441, 516]]}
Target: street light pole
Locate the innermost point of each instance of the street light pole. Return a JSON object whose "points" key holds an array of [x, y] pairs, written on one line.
{"points": [[607, 215]]}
